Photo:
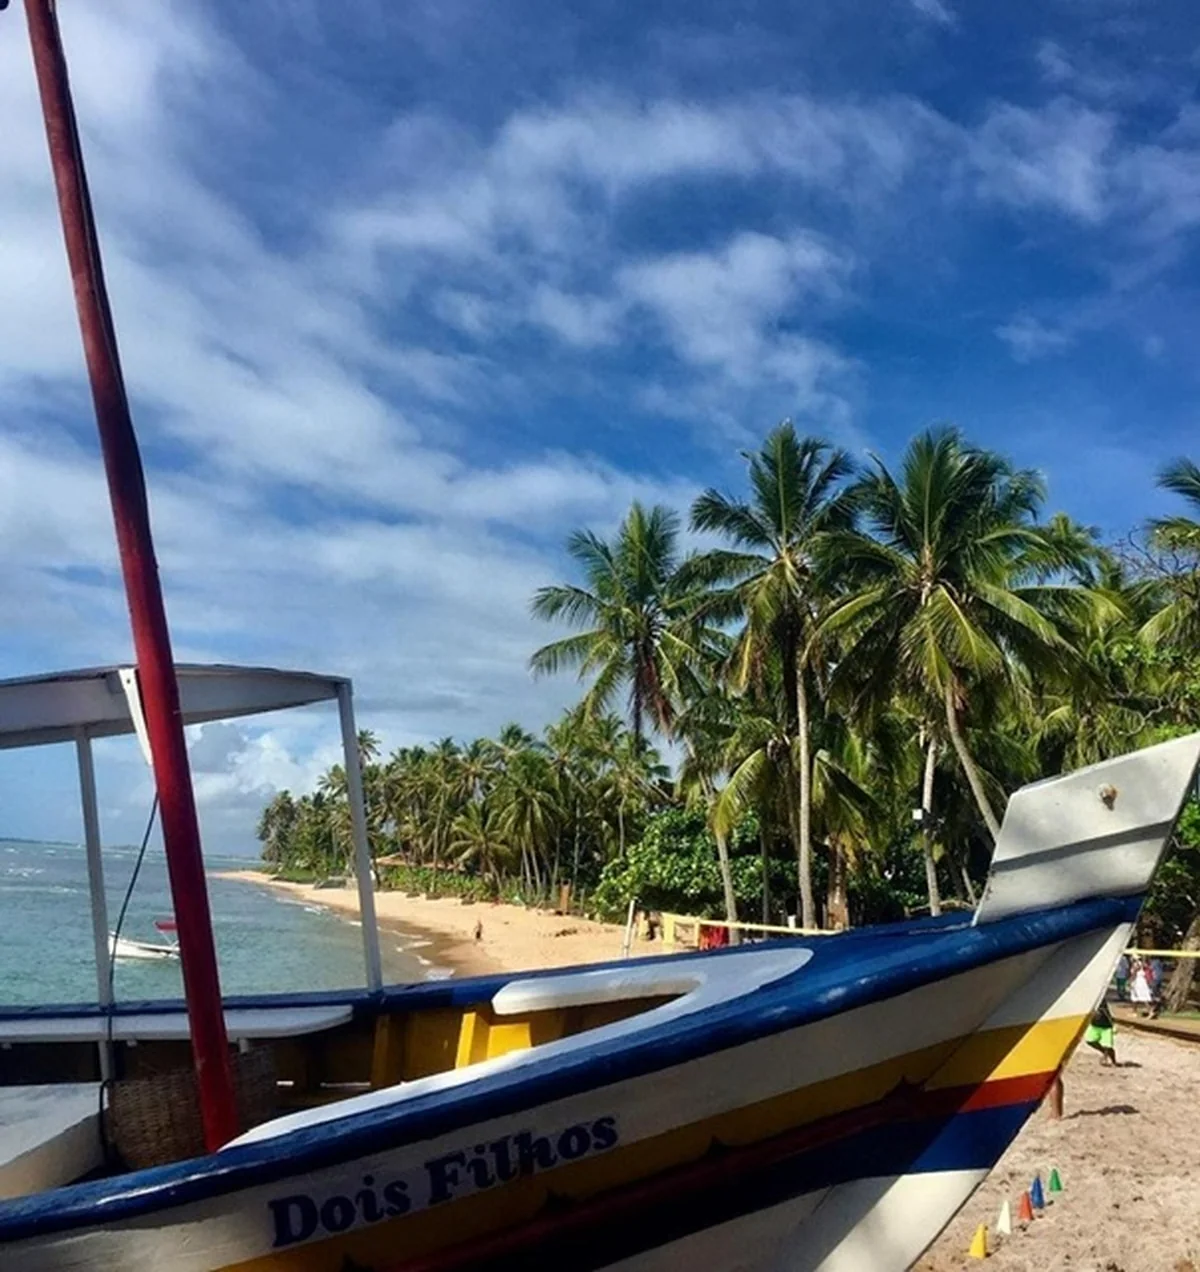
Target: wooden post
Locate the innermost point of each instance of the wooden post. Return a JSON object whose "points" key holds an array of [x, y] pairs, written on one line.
{"points": [[148, 617]]}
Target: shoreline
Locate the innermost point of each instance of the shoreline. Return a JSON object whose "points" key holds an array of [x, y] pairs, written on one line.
{"points": [[514, 939]]}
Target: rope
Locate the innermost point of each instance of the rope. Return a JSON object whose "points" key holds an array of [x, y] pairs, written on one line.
{"points": [[111, 1008]]}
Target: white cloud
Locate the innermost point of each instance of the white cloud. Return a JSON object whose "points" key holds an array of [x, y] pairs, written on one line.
{"points": [[717, 306], [936, 11], [1028, 339], [1057, 158], [583, 321]]}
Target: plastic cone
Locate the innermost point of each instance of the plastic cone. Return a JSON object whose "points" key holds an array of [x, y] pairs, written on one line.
{"points": [[979, 1248], [1055, 1181], [1036, 1196], [1004, 1220], [1025, 1209]]}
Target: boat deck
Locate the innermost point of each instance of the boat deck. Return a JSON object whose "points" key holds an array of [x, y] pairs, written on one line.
{"points": [[240, 1024], [49, 1136]]}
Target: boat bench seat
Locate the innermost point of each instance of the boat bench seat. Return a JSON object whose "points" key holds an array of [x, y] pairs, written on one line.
{"points": [[49, 1136], [241, 1024]]}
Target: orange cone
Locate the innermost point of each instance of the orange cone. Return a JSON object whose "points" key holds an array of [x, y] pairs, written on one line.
{"points": [[1025, 1209], [979, 1248]]}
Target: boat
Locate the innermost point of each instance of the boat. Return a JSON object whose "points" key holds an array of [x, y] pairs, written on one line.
{"points": [[129, 948], [808, 1103]]}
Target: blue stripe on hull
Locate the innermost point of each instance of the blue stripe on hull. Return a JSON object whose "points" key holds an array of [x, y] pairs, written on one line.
{"points": [[966, 1141]]}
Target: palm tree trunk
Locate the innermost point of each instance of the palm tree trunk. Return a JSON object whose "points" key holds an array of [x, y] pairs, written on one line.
{"points": [[837, 915], [535, 873], [793, 816], [727, 885], [437, 838], [972, 896], [1180, 984], [931, 879], [808, 907], [766, 873], [575, 862], [968, 764], [621, 830]]}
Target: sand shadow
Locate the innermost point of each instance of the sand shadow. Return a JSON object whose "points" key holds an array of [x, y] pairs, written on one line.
{"points": [[1110, 1110], [1129, 1064]]}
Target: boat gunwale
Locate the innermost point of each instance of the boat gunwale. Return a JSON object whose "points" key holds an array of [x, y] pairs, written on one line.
{"points": [[825, 990]]}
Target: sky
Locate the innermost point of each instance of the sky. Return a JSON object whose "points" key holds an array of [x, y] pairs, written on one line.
{"points": [[406, 292]]}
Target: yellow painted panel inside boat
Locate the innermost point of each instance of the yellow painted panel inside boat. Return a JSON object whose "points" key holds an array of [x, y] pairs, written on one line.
{"points": [[1012, 1052], [430, 1041], [387, 1053]]}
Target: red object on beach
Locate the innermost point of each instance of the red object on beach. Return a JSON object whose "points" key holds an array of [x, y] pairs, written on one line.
{"points": [[151, 639], [1025, 1209]]}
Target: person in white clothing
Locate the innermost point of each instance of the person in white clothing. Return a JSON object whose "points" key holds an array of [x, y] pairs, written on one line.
{"points": [[1140, 993]]}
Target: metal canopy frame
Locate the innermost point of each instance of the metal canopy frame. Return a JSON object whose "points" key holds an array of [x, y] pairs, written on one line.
{"points": [[101, 702]]}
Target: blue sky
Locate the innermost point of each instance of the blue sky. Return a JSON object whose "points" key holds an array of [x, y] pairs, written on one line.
{"points": [[407, 291]]}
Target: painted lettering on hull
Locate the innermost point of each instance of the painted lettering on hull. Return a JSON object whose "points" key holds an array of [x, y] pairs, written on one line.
{"points": [[303, 1216]]}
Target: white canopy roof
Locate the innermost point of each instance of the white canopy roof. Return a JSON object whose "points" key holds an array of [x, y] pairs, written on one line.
{"points": [[35, 710]]}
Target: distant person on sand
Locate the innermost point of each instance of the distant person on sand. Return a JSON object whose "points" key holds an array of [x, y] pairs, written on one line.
{"points": [[1123, 977], [1101, 1033], [1140, 993], [479, 929]]}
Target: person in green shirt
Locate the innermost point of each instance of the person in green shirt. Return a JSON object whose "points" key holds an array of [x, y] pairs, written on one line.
{"points": [[1100, 1035]]}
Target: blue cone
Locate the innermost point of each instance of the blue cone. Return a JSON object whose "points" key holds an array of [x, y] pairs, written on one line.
{"points": [[1036, 1196]]}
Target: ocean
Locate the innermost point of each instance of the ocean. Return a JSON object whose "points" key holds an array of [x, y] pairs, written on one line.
{"points": [[266, 942]]}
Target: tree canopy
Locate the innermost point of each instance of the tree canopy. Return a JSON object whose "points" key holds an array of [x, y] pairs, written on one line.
{"points": [[850, 676]]}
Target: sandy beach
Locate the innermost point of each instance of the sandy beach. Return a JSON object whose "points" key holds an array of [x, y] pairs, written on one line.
{"points": [[1128, 1151], [514, 939]]}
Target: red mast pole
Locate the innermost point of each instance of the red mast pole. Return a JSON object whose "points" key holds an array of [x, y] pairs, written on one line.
{"points": [[152, 642]]}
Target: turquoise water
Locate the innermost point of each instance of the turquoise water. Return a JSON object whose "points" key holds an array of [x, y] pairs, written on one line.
{"points": [[265, 942]]}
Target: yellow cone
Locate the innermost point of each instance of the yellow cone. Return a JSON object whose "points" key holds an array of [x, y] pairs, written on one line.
{"points": [[979, 1248]]}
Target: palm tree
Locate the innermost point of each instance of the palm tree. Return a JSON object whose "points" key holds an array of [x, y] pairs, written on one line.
{"points": [[476, 838], [639, 632], [1177, 622], [1176, 625], [757, 756], [770, 580], [527, 811], [944, 592], [276, 826], [844, 808], [705, 727]]}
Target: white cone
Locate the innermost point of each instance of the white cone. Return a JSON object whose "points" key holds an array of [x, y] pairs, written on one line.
{"points": [[1004, 1221]]}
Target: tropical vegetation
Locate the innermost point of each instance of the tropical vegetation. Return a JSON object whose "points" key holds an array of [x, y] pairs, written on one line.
{"points": [[817, 710]]}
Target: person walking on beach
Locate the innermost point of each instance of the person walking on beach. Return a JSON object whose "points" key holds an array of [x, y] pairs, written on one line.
{"points": [[1123, 978], [1100, 1035], [1140, 993]]}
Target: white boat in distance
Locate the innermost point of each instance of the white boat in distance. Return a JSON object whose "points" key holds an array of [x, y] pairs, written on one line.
{"points": [[148, 951]]}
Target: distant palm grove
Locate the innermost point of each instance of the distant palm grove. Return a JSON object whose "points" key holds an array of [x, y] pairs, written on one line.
{"points": [[850, 673]]}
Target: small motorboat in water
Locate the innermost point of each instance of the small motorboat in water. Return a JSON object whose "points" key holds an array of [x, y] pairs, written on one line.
{"points": [[125, 947]]}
